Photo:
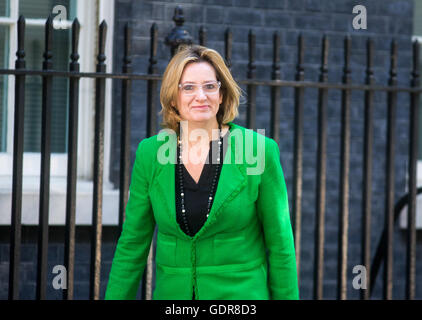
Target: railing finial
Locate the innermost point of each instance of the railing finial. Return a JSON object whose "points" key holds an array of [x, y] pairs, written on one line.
{"points": [[178, 36]]}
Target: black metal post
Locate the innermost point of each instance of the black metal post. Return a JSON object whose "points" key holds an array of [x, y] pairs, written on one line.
{"points": [[16, 223], [72, 164], [251, 88], [413, 158], [202, 36], [45, 165], [389, 173], [125, 126], [178, 35], [367, 171], [151, 128], [344, 178], [321, 176], [298, 153], [96, 232], [228, 40], [275, 90], [152, 84]]}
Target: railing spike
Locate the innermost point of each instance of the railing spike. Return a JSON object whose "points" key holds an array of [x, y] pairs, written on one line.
{"points": [[228, 39]]}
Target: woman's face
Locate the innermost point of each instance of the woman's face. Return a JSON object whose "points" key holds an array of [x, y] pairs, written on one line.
{"points": [[200, 106]]}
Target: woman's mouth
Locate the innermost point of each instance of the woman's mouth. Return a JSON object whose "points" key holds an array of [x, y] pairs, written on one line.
{"points": [[200, 107]]}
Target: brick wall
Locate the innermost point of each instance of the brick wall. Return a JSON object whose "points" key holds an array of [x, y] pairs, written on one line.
{"points": [[312, 18], [28, 267]]}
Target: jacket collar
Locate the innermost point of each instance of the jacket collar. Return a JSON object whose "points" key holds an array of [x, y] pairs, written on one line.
{"points": [[232, 180]]}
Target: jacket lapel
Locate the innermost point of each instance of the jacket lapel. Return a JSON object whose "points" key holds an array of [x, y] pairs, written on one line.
{"points": [[232, 180]]}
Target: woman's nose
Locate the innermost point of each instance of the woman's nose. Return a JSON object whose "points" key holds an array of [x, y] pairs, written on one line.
{"points": [[200, 94]]}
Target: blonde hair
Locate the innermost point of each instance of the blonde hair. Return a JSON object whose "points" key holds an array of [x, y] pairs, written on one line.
{"points": [[170, 85]]}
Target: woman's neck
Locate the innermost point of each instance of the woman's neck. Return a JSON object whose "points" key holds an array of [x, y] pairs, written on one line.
{"points": [[200, 132], [196, 141]]}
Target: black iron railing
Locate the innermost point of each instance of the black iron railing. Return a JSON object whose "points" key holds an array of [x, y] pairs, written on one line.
{"points": [[381, 249], [126, 76]]}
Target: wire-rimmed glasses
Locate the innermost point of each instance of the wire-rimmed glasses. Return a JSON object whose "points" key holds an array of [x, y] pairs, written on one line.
{"points": [[191, 89]]}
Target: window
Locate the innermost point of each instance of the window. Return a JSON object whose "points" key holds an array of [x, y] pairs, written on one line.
{"points": [[90, 14], [35, 13]]}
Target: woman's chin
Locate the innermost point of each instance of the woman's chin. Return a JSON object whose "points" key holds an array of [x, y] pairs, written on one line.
{"points": [[201, 117]]}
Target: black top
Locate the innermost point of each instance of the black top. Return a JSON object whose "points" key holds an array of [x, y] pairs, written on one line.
{"points": [[196, 194]]}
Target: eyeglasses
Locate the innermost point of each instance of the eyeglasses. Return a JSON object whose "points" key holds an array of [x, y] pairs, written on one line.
{"points": [[191, 89]]}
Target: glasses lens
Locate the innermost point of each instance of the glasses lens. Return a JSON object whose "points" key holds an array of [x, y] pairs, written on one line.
{"points": [[210, 87], [191, 88]]}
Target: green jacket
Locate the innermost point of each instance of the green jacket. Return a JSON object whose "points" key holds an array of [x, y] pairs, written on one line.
{"points": [[245, 250]]}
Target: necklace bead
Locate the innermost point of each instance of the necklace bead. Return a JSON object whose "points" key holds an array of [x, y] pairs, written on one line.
{"points": [[179, 165]]}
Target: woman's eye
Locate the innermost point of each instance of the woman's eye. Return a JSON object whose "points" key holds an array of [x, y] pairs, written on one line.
{"points": [[210, 86], [188, 88]]}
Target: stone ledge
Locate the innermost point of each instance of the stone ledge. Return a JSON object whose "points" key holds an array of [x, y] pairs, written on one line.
{"points": [[57, 206]]}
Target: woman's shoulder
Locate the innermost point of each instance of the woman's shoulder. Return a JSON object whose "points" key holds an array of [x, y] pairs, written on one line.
{"points": [[252, 137], [152, 143], [159, 148], [253, 148]]}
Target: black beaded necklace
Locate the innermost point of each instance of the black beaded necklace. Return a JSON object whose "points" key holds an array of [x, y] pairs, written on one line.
{"points": [[182, 193]]}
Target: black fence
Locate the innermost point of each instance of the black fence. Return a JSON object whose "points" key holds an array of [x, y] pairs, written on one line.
{"points": [[384, 250]]}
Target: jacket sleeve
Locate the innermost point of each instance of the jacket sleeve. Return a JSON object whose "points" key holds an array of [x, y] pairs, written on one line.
{"points": [[273, 210], [134, 243]]}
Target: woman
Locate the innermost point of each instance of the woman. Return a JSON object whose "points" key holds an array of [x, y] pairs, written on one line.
{"points": [[216, 192]]}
